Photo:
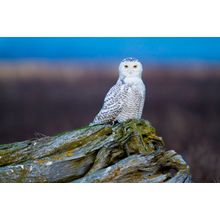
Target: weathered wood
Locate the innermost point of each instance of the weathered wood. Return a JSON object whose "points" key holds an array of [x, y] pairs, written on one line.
{"points": [[126, 152]]}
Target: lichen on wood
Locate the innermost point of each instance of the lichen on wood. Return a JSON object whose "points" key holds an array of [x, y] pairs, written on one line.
{"points": [[125, 152]]}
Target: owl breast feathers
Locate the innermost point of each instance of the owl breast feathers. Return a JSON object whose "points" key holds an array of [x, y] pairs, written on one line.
{"points": [[125, 100]]}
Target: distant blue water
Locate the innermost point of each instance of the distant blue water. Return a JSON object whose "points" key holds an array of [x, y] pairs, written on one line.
{"points": [[147, 49]]}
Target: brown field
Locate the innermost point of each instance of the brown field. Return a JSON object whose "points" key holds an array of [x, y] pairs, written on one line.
{"points": [[183, 104]]}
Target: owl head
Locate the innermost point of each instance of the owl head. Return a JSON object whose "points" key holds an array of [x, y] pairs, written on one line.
{"points": [[130, 67]]}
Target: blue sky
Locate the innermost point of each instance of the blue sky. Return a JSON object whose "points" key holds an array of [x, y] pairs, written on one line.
{"points": [[147, 49]]}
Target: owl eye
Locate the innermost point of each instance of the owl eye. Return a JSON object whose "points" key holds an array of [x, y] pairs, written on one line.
{"points": [[126, 66], [135, 66]]}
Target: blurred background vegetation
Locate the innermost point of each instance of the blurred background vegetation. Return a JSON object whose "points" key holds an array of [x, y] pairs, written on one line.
{"points": [[49, 85]]}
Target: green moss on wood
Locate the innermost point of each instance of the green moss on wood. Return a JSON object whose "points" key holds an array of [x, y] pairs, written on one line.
{"points": [[126, 152]]}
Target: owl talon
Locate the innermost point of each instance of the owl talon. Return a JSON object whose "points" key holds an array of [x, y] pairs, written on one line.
{"points": [[115, 122]]}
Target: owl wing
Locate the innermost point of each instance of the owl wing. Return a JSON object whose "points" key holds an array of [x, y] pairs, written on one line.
{"points": [[113, 103]]}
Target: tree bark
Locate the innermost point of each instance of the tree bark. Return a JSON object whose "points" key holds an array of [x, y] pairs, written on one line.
{"points": [[126, 152]]}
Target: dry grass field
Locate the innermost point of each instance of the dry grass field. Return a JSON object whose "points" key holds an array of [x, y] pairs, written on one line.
{"points": [[183, 104]]}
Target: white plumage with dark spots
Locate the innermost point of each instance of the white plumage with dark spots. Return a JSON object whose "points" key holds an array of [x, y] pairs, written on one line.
{"points": [[125, 100]]}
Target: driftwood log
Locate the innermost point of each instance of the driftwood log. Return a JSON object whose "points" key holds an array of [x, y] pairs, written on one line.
{"points": [[126, 152]]}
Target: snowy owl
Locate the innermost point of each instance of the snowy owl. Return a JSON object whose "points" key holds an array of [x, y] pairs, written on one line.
{"points": [[125, 100]]}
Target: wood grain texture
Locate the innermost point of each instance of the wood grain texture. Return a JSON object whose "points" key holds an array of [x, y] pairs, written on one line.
{"points": [[126, 152]]}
